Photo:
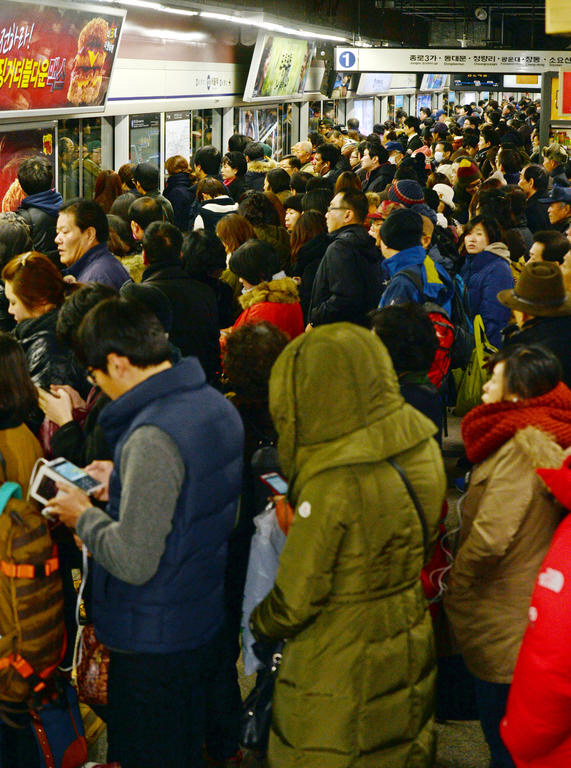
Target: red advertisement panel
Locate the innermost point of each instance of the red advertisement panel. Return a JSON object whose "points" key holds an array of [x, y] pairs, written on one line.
{"points": [[56, 58], [565, 86], [16, 146]]}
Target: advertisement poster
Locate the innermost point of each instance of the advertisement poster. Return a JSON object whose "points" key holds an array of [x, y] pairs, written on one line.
{"points": [[283, 67], [16, 146], [177, 134], [55, 58], [565, 92]]}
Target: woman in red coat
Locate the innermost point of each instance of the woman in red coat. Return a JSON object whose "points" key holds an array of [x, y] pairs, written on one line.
{"points": [[267, 295], [537, 725]]}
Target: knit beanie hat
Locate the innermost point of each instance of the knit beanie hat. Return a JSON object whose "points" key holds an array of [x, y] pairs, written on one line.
{"points": [[407, 192], [425, 210], [402, 229], [467, 170]]}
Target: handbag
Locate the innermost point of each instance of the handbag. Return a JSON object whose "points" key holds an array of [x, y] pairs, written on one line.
{"points": [[469, 383], [91, 667], [257, 707]]}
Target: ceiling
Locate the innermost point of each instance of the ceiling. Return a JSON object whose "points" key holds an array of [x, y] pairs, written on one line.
{"points": [[458, 10]]}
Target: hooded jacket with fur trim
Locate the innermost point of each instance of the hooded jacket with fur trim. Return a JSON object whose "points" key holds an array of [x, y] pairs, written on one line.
{"points": [[508, 521], [274, 302], [256, 173]]}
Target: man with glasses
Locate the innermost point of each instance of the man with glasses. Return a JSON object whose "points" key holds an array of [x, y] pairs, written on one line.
{"points": [[348, 281]]}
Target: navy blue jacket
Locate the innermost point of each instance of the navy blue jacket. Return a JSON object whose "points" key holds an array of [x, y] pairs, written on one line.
{"points": [[177, 192], [182, 606], [40, 211], [485, 274], [437, 285], [99, 265]]}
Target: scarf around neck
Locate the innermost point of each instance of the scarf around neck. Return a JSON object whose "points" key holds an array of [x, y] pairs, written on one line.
{"points": [[487, 427]]}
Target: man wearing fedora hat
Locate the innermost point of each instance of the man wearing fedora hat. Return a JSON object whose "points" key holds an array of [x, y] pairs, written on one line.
{"points": [[542, 310]]}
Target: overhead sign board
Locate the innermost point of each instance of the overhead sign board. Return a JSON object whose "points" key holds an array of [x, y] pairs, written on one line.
{"points": [[448, 60], [56, 57]]}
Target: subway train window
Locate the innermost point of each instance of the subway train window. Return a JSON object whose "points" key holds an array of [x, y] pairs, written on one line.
{"points": [[201, 131], [90, 155], [144, 138], [270, 125], [68, 158]]}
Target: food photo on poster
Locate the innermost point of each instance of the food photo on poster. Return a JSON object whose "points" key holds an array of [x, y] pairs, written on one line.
{"points": [[15, 147], [53, 57]]}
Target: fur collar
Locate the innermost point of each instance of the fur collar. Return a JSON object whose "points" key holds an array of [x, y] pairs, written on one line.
{"points": [[281, 291], [262, 166]]}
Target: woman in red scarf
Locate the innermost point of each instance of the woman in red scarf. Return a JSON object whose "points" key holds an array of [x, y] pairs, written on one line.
{"points": [[508, 520]]}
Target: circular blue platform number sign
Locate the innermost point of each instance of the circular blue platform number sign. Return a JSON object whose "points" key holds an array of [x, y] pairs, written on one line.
{"points": [[347, 59]]}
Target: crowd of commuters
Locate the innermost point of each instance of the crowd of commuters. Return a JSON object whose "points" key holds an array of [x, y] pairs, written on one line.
{"points": [[160, 338]]}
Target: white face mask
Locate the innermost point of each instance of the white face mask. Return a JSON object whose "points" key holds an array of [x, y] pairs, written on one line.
{"points": [[392, 160], [439, 156]]}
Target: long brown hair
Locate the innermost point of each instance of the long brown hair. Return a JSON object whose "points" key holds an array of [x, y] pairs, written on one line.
{"points": [[18, 395], [347, 180], [107, 189], [309, 224], [36, 281], [234, 230]]}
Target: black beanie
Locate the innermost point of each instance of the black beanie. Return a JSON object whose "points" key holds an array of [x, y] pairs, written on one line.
{"points": [[402, 229]]}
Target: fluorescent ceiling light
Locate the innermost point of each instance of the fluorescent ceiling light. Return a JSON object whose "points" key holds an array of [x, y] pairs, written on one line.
{"points": [[249, 22], [156, 7]]}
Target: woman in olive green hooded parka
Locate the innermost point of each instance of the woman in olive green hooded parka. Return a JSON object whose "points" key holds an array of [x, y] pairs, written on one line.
{"points": [[355, 688]]}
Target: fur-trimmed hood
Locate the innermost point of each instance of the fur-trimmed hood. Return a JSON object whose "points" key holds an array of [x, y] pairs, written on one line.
{"points": [[280, 291], [540, 447], [262, 166]]}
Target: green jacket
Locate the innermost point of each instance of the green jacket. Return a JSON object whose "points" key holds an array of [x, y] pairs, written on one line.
{"points": [[356, 683]]}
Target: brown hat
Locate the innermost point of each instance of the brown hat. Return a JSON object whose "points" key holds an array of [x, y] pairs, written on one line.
{"points": [[555, 152], [539, 291]]}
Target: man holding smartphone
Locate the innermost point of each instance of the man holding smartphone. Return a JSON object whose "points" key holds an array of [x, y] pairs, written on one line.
{"points": [[159, 548]]}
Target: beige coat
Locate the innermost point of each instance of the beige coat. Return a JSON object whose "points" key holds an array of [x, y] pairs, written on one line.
{"points": [[508, 521]]}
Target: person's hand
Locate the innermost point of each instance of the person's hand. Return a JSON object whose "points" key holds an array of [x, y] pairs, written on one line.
{"points": [[76, 399], [56, 405], [101, 471], [69, 279], [308, 327], [68, 504]]}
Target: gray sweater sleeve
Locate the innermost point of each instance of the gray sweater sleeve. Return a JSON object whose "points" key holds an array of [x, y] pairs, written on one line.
{"points": [[152, 473]]}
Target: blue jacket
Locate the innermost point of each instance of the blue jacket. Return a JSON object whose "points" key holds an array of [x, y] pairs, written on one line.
{"points": [[98, 265], [40, 212], [438, 286], [177, 192], [182, 606], [485, 274]]}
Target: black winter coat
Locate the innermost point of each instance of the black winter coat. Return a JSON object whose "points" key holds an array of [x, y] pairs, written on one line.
{"points": [[80, 445], [536, 214], [379, 178], [348, 281], [195, 328], [40, 211], [237, 187], [177, 192], [306, 266], [49, 362], [551, 332]]}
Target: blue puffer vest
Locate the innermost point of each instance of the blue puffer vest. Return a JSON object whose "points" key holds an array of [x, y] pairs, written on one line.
{"points": [[181, 607]]}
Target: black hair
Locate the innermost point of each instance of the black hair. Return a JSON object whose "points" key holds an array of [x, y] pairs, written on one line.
{"points": [[293, 202], [250, 352], [120, 206], [87, 213], [470, 140], [492, 226], [412, 122], [257, 208], [15, 237], [376, 149], [254, 151], [510, 160], [493, 203], [35, 174], [278, 180], [329, 153], [357, 202], [298, 181], [75, 307], [539, 175], [145, 210], [256, 261], [555, 245], [18, 395], [203, 254], [408, 334], [122, 229], [125, 327], [237, 161], [318, 182], [315, 138], [293, 161], [529, 371], [162, 241], [237, 142], [489, 134], [353, 124], [317, 200], [446, 145], [208, 158]]}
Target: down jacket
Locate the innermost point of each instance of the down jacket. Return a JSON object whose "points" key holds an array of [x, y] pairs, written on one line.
{"points": [[275, 302], [485, 274], [508, 520], [355, 688], [537, 725]]}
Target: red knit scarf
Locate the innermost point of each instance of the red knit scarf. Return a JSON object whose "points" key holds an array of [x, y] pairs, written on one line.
{"points": [[487, 427]]}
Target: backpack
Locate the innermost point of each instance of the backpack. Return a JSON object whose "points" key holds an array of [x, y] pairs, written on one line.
{"points": [[444, 329], [461, 317], [32, 632]]}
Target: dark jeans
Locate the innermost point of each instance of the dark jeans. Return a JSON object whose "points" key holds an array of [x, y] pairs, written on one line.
{"points": [[491, 701], [156, 712]]}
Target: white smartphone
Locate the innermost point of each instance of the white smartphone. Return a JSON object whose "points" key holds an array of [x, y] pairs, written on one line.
{"points": [[63, 471]]}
